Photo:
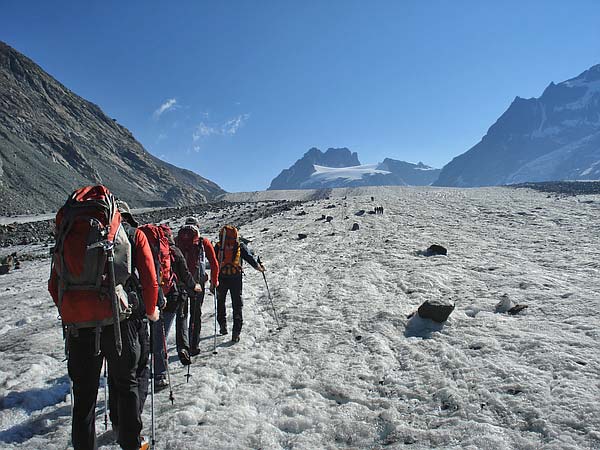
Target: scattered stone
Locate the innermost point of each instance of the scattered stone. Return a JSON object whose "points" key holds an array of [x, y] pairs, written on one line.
{"points": [[264, 229], [436, 310], [371, 212], [302, 236], [504, 304], [320, 218], [360, 213], [328, 219], [355, 227], [435, 249], [358, 338], [8, 263], [330, 206], [301, 213], [517, 309]]}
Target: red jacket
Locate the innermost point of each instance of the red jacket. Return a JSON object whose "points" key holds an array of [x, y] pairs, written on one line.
{"points": [[209, 251], [88, 306]]}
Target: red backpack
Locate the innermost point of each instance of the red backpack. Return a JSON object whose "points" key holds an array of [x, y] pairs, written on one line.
{"points": [[159, 243], [229, 251], [190, 243], [88, 229]]}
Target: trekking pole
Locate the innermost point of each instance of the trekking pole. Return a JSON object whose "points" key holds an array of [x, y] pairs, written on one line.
{"points": [[152, 381], [105, 398], [162, 321], [192, 329], [221, 257], [215, 337], [269, 295]]}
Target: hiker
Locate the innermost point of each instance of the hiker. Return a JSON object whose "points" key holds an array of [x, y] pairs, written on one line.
{"points": [[91, 266], [231, 253], [176, 308], [133, 287], [197, 250]]}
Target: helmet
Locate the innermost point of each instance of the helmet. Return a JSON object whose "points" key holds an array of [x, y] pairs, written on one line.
{"points": [[192, 221]]}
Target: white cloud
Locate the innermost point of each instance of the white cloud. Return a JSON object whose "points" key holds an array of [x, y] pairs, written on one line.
{"points": [[170, 104], [228, 128], [231, 126]]}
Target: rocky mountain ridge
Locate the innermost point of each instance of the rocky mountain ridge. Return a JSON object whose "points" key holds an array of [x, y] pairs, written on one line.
{"points": [[53, 141], [339, 167], [553, 137]]}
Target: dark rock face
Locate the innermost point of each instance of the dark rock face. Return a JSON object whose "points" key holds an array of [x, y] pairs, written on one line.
{"points": [[405, 173], [293, 177], [436, 310], [53, 141], [554, 137]]}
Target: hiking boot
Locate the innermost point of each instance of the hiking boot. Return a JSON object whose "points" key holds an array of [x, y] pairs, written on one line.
{"points": [[235, 339], [160, 384], [194, 352], [223, 330], [184, 357]]}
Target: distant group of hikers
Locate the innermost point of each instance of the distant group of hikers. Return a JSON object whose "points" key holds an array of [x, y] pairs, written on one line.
{"points": [[108, 269]]}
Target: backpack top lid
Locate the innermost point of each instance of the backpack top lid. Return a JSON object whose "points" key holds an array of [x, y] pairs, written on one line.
{"points": [[168, 233], [230, 232], [96, 201]]}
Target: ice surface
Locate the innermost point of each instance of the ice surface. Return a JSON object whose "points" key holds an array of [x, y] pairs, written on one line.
{"points": [[345, 372]]}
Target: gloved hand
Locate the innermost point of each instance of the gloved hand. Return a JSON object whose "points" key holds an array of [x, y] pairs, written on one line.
{"points": [[261, 268], [213, 287]]}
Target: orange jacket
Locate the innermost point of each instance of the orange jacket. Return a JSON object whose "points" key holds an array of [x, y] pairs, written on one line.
{"points": [[89, 306]]}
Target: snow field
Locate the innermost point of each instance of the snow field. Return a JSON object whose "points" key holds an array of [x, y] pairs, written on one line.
{"points": [[349, 370]]}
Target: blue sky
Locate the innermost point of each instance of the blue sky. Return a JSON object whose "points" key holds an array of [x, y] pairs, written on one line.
{"points": [[239, 90]]}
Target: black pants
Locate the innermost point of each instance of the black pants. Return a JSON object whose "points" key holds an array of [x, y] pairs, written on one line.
{"points": [[84, 370], [234, 286], [142, 374], [196, 302]]}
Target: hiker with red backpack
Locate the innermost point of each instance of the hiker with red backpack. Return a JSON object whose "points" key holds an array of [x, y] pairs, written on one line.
{"points": [[91, 265], [231, 253], [176, 282], [197, 250]]}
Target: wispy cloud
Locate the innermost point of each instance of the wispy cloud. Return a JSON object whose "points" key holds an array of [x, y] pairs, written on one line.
{"points": [[170, 104], [203, 130], [231, 126], [227, 128]]}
